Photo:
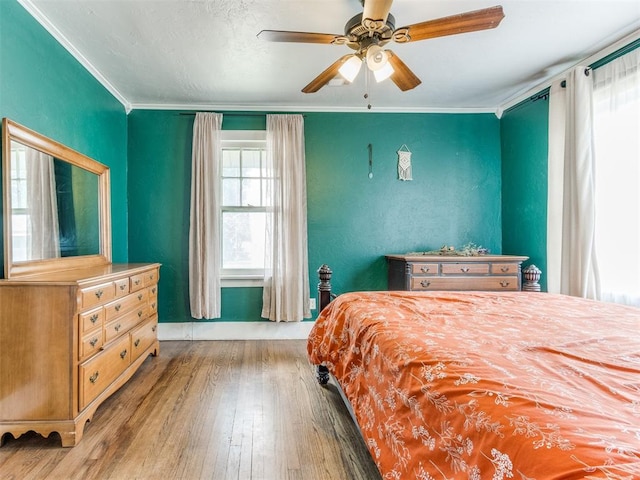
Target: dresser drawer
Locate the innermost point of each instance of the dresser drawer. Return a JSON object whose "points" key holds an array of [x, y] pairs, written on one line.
{"points": [[424, 269], [124, 323], [488, 283], [91, 320], [151, 278], [153, 297], [91, 344], [505, 269], [136, 282], [97, 373], [122, 287], [143, 337], [125, 304], [465, 268], [100, 294]]}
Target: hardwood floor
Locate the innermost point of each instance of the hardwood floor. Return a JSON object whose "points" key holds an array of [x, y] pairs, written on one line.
{"points": [[209, 410]]}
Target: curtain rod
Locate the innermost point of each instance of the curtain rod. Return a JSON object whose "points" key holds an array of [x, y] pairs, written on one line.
{"points": [[231, 114], [238, 114], [545, 94]]}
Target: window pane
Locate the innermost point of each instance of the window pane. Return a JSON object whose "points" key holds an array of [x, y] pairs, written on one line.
{"points": [[231, 192], [243, 240], [20, 237], [251, 192], [251, 163], [230, 163]]}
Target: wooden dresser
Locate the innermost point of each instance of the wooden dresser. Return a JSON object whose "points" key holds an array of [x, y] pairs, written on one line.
{"points": [[442, 272], [68, 340]]}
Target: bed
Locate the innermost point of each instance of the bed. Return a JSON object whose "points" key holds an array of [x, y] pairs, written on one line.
{"points": [[484, 385]]}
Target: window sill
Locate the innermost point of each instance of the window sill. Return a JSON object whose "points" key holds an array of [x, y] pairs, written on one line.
{"points": [[241, 281]]}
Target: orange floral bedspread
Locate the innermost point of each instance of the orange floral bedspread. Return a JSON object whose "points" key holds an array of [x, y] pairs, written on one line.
{"points": [[523, 385]]}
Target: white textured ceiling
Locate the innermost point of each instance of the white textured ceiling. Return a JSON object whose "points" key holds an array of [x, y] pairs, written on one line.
{"points": [[205, 54]]}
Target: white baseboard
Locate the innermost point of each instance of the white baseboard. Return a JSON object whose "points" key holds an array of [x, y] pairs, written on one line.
{"points": [[234, 330]]}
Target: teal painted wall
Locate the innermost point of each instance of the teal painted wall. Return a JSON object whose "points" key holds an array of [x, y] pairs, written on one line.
{"points": [[44, 88], [462, 191], [524, 140], [352, 220]]}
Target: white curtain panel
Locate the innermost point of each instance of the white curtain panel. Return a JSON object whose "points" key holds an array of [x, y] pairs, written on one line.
{"points": [[44, 228], [617, 149], [204, 235], [286, 283], [578, 270], [557, 109]]}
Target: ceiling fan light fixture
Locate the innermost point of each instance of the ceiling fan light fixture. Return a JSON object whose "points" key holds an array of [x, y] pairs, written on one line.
{"points": [[377, 58], [384, 72], [349, 69]]}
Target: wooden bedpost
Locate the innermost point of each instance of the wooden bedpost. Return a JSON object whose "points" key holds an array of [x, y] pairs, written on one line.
{"points": [[324, 298], [324, 287]]}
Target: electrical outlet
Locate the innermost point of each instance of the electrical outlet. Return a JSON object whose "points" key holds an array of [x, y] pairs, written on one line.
{"points": [[312, 303]]}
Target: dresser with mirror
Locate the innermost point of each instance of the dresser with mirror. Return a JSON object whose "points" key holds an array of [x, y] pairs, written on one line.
{"points": [[74, 327]]}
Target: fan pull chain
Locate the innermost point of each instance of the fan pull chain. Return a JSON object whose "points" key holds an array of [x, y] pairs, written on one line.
{"points": [[366, 88]]}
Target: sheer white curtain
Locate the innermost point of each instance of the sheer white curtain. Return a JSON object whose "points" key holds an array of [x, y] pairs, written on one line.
{"points": [[617, 147], [573, 258], [286, 282], [44, 228], [204, 235]]}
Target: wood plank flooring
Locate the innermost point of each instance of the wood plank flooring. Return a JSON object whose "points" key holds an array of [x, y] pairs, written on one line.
{"points": [[208, 410]]}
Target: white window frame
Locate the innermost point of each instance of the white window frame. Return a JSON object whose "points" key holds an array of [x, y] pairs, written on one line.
{"points": [[249, 139]]}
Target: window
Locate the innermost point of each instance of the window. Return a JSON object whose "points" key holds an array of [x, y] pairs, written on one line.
{"points": [[243, 209], [19, 211], [616, 101]]}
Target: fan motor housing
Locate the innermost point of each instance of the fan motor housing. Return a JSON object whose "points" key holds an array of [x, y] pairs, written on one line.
{"points": [[360, 38]]}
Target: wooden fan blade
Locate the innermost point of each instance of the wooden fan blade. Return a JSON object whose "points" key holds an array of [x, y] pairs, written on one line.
{"points": [[324, 78], [402, 75], [298, 37], [465, 22], [374, 15]]}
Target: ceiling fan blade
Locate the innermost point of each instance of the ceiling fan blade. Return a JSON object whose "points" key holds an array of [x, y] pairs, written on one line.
{"points": [[299, 37], [374, 15], [465, 22], [402, 75], [324, 78]]}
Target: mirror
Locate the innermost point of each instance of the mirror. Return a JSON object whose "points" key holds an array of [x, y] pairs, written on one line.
{"points": [[56, 205]]}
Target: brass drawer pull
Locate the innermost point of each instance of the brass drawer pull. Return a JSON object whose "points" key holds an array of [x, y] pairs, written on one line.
{"points": [[153, 329], [424, 269], [93, 318], [504, 269], [93, 378], [140, 314], [425, 283], [93, 341], [99, 293], [504, 283], [153, 305], [136, 343], [151, 276], [139, 296], [117, 327], [464, 269], [136, 282], [153, 290], [122, 287], [118, 307], [123, 353]]}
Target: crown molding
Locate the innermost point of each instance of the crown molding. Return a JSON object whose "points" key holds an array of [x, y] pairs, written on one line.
{"points": [[300, 108], [42, 19], [531, 91]]}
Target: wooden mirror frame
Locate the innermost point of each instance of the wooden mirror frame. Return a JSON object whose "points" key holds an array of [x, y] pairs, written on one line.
{"points": [[16, 132]]}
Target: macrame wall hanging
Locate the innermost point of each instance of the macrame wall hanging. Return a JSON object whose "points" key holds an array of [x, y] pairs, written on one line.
{"points": [[404, 163]]}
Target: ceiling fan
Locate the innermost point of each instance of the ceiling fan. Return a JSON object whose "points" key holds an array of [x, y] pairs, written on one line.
{"points": [[369, 31]]}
